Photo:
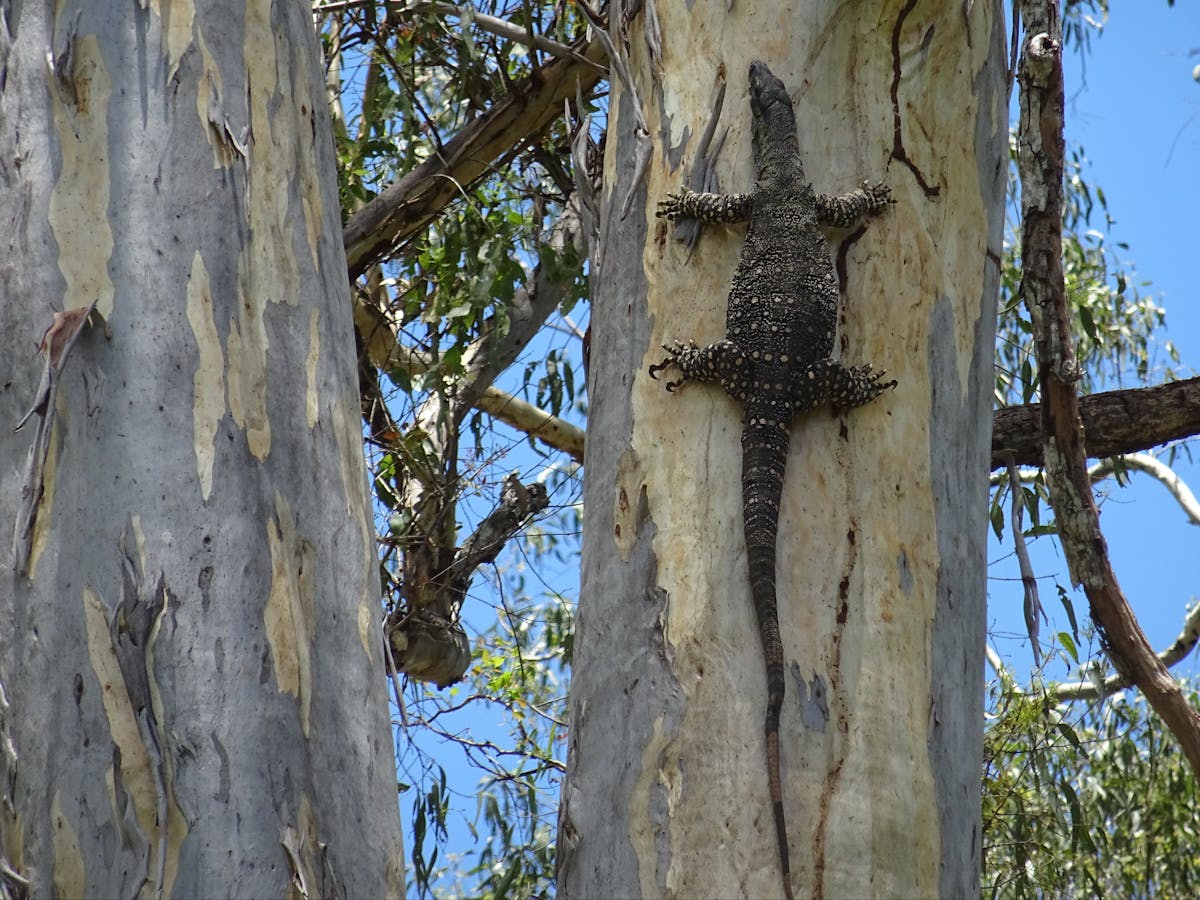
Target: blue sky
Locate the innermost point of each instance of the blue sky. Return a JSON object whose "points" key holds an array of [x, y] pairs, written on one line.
{"points": [[1134, 107]]}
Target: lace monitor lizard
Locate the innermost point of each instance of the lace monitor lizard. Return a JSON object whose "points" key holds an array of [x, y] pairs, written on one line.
{"points": [[775, 358]]}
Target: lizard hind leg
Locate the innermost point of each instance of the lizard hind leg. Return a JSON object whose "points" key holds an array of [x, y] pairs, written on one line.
{"points": [[828, 381], [721, 362]]}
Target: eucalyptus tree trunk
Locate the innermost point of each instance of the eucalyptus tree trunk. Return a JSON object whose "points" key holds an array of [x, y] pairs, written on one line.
{"points": [[881, 572], [190, 652]]}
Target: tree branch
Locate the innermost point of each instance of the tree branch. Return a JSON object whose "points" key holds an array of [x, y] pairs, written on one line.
{"points": [[536, 422], [1040, 163], [1114, 422], [1190, 634], [1179, 649], [373, 233]]}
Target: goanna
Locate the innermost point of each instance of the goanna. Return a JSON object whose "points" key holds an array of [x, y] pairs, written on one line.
{"points": [[775, 359]]}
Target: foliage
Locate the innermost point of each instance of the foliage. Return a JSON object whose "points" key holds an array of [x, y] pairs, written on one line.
{"points": [[1098, 802], [518, 671], [407, 81], [1116, 324]]}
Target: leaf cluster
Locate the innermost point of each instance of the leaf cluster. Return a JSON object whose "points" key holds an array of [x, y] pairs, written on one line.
{"points": [[1093, 803]]}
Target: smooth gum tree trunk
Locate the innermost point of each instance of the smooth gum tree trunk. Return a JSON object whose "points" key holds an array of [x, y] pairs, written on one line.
{"points": [[881, 572], [190, 652]]}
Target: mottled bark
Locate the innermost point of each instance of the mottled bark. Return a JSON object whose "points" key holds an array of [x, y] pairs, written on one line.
{"points": [[190, 649]]}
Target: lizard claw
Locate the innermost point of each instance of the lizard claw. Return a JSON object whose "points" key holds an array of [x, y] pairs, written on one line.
{"points": [[654, 370], [672, 208], [675, 348], [879, 196]]}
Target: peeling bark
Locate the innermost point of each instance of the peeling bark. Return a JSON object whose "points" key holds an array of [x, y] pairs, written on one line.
{"points": [[191, 700]]}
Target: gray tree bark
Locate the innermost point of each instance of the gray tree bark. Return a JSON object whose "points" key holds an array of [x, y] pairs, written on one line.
{"points": [[190, 652], [881, 578]]}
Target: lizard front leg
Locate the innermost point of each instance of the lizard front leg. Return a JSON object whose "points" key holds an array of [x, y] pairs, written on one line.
{"points": [[710, 208], [849, 209], [828, 381]]}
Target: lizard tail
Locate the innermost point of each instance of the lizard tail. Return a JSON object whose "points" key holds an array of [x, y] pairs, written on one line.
{"points": [[764, 457]]}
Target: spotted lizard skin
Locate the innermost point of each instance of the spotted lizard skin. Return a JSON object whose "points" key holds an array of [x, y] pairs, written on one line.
{"points": [[776, 355]]}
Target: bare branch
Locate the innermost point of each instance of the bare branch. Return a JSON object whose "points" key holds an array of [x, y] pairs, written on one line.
{"points": [[1114, 422], [538, 423], [1158, 470]]}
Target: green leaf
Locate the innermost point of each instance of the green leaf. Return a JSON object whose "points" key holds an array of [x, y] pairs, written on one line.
{"points": [[1069, 645]]}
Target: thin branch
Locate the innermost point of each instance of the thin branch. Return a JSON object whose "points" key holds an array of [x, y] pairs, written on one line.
{"points": [[1188, 637], [1000, 669], [491, 24], [1177, 651], [1160, 472]]}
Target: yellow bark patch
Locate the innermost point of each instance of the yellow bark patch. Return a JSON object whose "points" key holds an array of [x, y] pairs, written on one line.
{"points": [[248, 385], [139, 778], [208, 381], [288, 617], [311, 364], [276, 160], [643, 827], [177, 828], [628, 503], [366, 618], [308, 168], [78, 212], [345, 431], [69, 873], [12, 837], [177, 17], [305, 851], [226, 146], [139, 539]]}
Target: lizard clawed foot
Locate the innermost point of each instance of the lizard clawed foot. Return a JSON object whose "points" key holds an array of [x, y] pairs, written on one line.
{"points": [[872, 382], [675, 348], [864, 386], [673, 207], [879, 196]]}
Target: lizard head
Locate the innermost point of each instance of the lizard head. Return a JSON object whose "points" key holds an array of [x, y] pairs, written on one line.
{"points": [[765, 89], [774, 121]]}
